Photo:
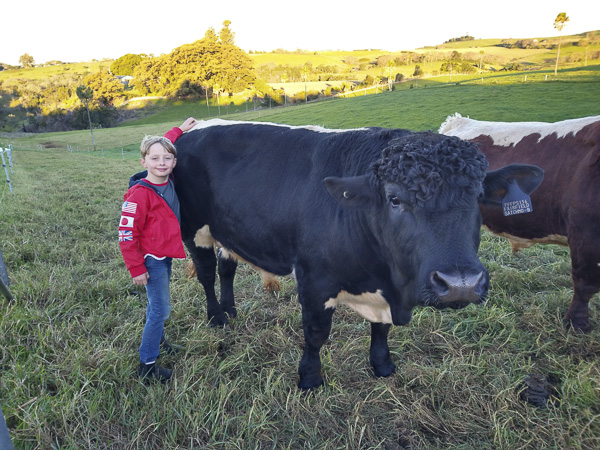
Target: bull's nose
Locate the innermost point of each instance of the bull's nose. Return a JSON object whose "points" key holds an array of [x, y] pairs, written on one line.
{"points": [[458, 287]]}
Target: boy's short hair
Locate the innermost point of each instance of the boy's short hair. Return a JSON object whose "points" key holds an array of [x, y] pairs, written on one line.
{"points": [[149, 141]]}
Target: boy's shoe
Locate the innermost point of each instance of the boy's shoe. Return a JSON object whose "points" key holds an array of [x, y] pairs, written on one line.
{"points": [[167, 348], [149, 372]]}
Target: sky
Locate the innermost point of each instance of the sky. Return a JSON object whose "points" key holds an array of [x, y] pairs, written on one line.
{"points": [[76, 31]]}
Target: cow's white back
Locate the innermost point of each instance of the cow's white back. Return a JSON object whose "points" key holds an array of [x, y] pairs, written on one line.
{"points": [[510, 133]]}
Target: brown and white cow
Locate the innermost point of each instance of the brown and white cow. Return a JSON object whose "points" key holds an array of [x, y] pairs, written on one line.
{"points": [[566, 205]]}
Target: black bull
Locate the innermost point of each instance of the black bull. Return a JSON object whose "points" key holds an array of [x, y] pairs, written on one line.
{"points": [[381, 220]]}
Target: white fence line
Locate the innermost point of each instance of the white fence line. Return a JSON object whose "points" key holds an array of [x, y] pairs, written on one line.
{"points": [[8, 153]]}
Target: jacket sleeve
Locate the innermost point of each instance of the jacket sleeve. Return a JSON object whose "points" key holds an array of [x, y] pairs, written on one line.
{"points": [[173, 134], [133, 217]]}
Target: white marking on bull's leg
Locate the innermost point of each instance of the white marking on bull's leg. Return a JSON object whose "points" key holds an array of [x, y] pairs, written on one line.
{"points": [[370, 305], [269, 281], [203, 238]]}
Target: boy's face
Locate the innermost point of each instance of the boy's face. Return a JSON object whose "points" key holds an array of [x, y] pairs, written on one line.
{"points": [[159, 162]]}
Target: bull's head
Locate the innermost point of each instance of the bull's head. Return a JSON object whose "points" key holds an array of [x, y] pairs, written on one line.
{"points": [[421, 205]]}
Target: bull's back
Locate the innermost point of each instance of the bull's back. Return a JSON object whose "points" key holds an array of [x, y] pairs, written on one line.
{"points": [[260, 187], [571, 165]]}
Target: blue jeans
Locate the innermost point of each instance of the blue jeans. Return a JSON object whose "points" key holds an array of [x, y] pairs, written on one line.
{"points": [[159, 307]]}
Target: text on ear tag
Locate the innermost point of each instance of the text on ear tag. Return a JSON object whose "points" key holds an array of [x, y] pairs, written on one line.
{"points": [[516, 201]]}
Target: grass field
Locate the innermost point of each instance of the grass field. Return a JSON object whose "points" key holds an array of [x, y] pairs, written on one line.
{"points": [[69, 340]]}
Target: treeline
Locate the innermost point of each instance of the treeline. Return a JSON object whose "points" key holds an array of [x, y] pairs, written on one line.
{"points": [[213, 69], [210, 66], [551, 44]]}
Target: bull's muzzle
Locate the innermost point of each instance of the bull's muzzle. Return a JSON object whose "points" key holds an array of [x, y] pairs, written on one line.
{"points": [[459, 287]]}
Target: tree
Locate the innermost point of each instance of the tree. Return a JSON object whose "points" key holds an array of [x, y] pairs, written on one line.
{"points": [[26, 60], [86, 94], [106, 88], [480, 60], [305, 76], [418, 71], [211, 36], [390, 67], [559, 23], [201, 64], [284, 79], [226, 36], [126, 64]]}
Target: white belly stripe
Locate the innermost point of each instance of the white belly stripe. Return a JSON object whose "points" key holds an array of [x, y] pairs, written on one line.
{"points": [[370, 305], [203, 238]]}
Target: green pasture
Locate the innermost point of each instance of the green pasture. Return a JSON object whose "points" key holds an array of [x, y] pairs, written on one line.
{"points": [[69, 340], [416, 105], [42, 73]]}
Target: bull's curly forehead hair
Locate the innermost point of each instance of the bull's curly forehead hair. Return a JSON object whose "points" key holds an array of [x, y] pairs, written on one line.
{"points": [[149, 141], [425, 163]]}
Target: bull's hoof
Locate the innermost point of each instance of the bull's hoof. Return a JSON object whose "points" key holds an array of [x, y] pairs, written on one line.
{"points": [[537, 390], [578, 325], [384, 370], [307, 385], [219, 321], [231, 313]]}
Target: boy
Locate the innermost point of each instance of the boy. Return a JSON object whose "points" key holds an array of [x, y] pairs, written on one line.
{"points": [[150, 237]]}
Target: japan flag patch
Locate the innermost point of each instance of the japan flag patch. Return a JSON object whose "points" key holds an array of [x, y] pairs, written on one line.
{"points": [[126, 222]]}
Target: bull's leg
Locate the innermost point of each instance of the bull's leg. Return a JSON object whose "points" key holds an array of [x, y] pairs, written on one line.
{"points": [[227, 267], [205, 262], [585, 272], [380, 351], [316, 323]]}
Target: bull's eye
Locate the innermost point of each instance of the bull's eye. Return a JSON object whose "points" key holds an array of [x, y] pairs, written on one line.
{"points": [[395, 201]]}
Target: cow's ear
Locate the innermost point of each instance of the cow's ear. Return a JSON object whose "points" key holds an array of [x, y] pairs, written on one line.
{"points": [[351, 192], [497, 181]]}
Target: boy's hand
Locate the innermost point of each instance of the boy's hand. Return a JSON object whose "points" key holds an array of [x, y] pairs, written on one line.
{"points": [[189, 123], [141, 280]]}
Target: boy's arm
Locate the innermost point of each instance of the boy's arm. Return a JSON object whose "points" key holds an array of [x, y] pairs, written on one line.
{"points": [[175, 133], [130, 226]]}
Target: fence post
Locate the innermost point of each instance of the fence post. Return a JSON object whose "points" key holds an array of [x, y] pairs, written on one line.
{"points": [[6, 171], [4, 281], [8, 152]]}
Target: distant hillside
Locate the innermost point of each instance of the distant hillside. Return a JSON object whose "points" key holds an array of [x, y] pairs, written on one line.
{"points": [[534, 53], [43, 98]]}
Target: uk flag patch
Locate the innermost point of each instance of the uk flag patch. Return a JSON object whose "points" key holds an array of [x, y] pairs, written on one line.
{"points": [[125, 235]]}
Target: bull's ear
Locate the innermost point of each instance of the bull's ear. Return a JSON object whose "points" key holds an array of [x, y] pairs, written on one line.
{"points": [[497, 181], [351, 192]]}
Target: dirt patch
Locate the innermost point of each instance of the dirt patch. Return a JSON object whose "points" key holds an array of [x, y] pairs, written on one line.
{"points": [[50, 144]]}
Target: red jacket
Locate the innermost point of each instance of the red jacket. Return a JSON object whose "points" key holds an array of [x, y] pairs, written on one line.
{"points": [[148, 226]]}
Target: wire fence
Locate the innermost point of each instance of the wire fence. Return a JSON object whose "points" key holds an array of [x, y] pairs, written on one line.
{"points": [[6, 155], [130, 152]]}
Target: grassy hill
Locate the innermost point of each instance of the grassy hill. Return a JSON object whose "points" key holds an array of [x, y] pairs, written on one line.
{"points": [[496, 53], [579, 55], [416, 104]]}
